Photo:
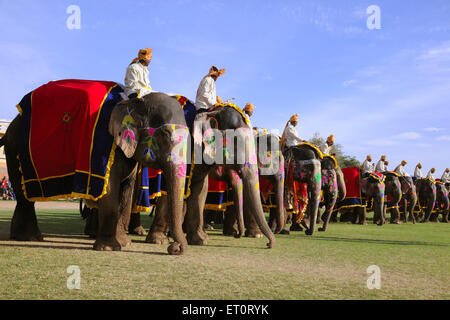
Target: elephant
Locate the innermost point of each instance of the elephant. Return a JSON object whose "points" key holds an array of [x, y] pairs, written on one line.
{"points": [[230, 129], [426, 194], [333, 188], [304, 166], [371, 187], [409, 198], [442, 203], [393, 191], [150, 131], [374, 190], [271, 167]]}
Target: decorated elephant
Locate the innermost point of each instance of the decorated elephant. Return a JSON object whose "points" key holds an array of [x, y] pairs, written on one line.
{"points": [[361, 188], [48, 156], [442, 203], [221, 138], [393, 193], [426, 194], [409, 198], [271, 184], [333, 188], [303, 184]]}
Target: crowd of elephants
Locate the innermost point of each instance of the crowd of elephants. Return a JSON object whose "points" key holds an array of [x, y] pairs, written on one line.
{"points": [[182, 220]]}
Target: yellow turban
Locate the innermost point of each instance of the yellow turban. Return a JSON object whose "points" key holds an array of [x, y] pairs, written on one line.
{"points": [[330, 138], [215, 71], [294, 118], [143, 54], [249, 107]]}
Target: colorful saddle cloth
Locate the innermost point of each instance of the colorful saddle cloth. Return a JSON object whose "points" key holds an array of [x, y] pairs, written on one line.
{"points": [[65, 148], [353, 196], [218, 198]]}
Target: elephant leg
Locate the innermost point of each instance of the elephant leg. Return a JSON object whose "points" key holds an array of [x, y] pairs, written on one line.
{"points": [[251, 227], [160, 225], [115, 209], [362, 215], [194, 215], [135, 226], [238, 203], [333, 216], [395, 215], [91, 226], [229, 223], [24, 225], [330, 201]]}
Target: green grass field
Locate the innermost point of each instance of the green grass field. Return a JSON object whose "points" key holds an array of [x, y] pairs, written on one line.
{"points": [[414, 263]]}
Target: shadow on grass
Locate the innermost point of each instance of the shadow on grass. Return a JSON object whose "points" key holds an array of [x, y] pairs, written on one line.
{"points": [[395, 242]]}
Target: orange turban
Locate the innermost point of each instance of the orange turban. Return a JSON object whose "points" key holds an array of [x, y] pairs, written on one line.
{"points": [[143, 54], [215, 71], [294, 118], [249, 107]]}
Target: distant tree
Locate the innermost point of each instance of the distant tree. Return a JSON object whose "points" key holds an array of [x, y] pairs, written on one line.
{"points": [[343, 160]]}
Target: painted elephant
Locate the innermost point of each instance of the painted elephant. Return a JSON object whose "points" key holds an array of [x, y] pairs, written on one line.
{"points": [[393, 192], [222, 138], [271, 168], [409, 198], [442, 203], [333, 188], [303, 164], [151, 131], [426, 194], [371, 188]]}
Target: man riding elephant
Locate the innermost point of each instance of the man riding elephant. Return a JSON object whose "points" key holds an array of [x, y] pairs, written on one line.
{"points": [[150, 131], [137, 83]]}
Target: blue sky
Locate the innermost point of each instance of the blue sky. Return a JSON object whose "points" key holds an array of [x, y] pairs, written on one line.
{"points": [[379, 92]]}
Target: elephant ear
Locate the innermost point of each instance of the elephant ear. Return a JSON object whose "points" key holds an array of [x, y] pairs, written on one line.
{"points": [[204, 135], [124, 128]]}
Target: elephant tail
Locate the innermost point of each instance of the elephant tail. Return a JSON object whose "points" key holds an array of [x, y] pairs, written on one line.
{"points": [[2, 141]]}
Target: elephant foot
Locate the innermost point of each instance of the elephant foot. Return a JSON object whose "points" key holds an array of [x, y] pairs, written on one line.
{"points": [[284, 231], [140, 231], [253, 234], [208, 227], [34, 235], [322, 229], [395, 222], [176, 249], [107, 244], [309, 232], [157, 238], [295, 227], [197, 239], [363, 223]]}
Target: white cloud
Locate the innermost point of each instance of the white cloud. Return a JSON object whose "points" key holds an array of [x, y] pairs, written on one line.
{"points": [[433, 129], [408, 136], [347, 83], [267, 78], [443, 138]]}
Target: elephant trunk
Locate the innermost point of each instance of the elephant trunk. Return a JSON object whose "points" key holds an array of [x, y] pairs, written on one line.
{"points": [[175, 195], [342, 190], [314, 187], [252, 195], [378, 208], [279, 202]]}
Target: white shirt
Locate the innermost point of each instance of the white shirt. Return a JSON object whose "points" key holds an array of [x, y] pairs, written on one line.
{"points": [[445, 177], [430, 175], [206, 94], [367, 166], [325, 148], [418, 173], [137, 80], [291, 136], [381, 166], [401, 171]]}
